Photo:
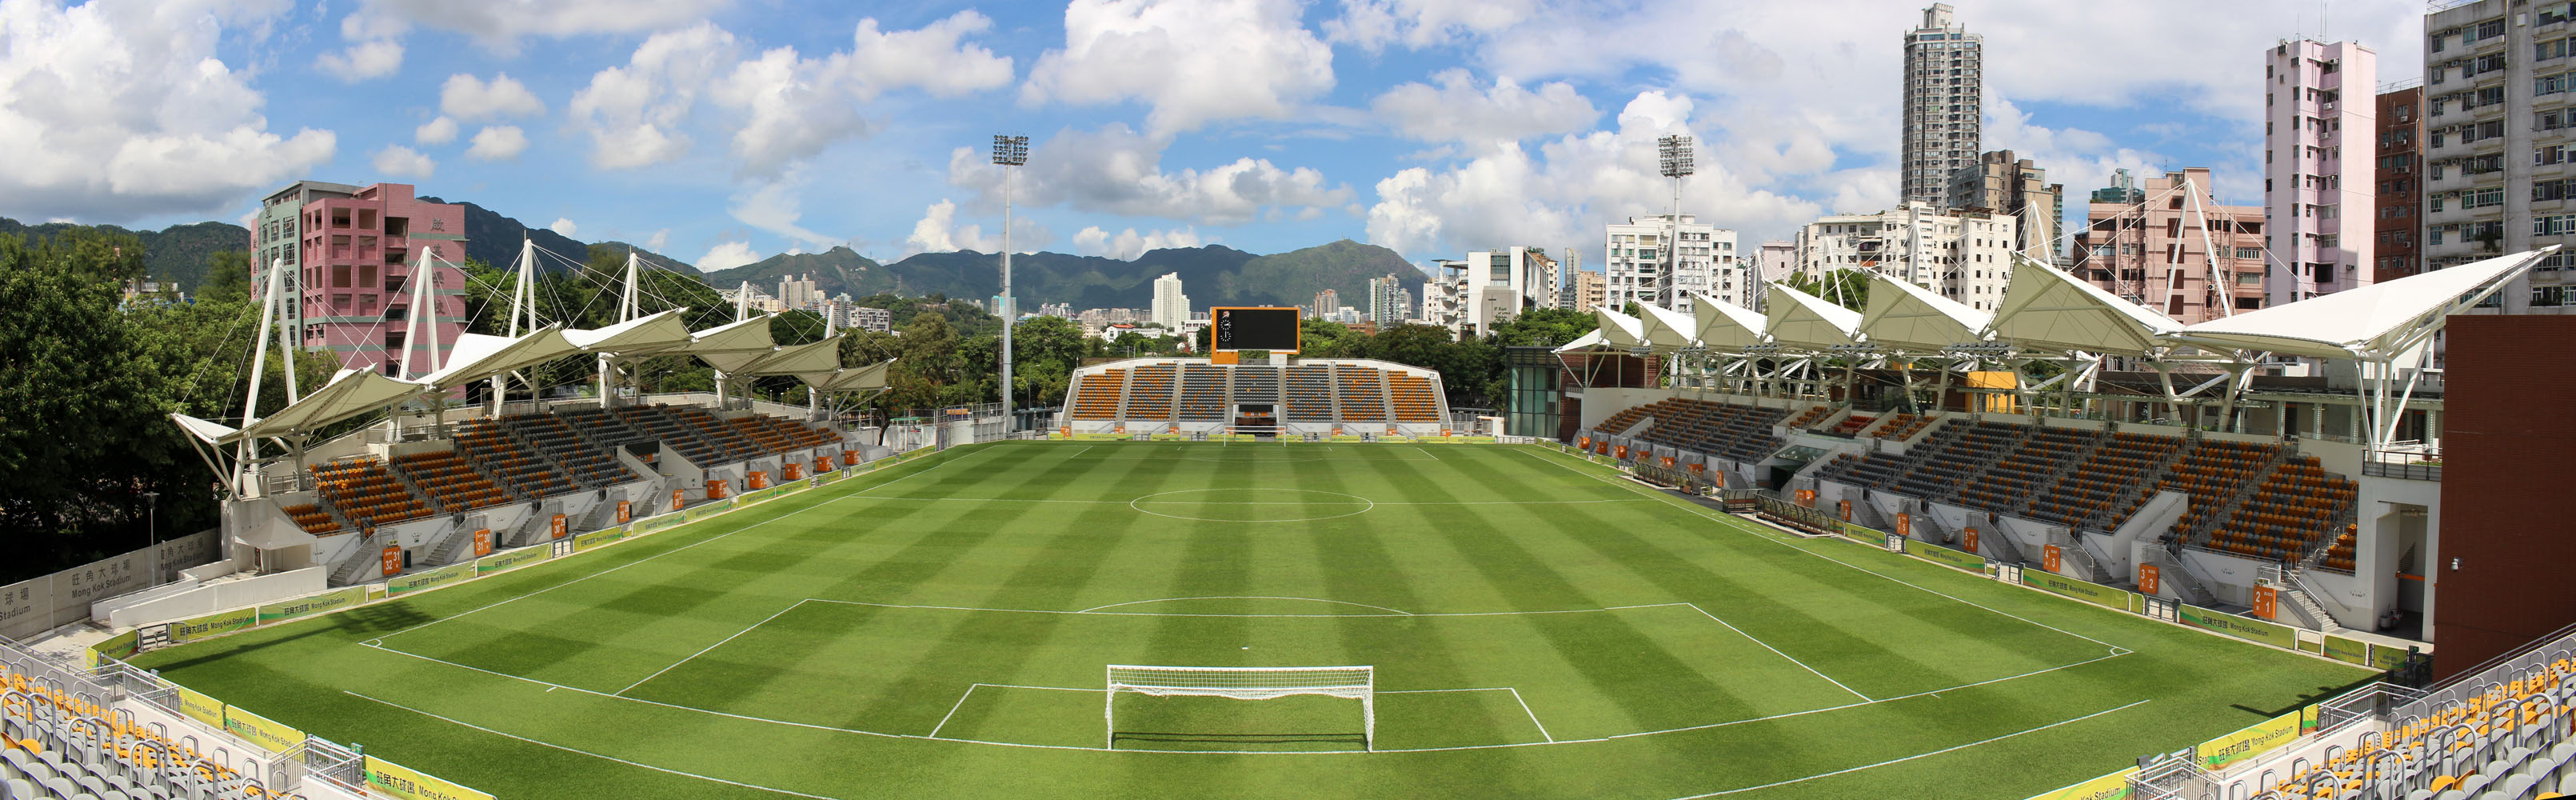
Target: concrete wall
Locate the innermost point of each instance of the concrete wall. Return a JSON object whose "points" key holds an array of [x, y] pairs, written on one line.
{"points": [[215, 597]]}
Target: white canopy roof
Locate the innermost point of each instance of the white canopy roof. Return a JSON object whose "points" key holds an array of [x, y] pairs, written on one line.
{"points": [[1903, 316], [350, 393], [1590, 340], [1806, 321], [739, 336], [1666, 329], [205, 431], [1726, 326], [850, 379], [654, 333], [795, 359], [478, 356], [1619, 330], [2375, 321], [2051, 310]]}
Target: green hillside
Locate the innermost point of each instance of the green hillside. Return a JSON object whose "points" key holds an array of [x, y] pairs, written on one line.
{"points": [[1213, 275]]}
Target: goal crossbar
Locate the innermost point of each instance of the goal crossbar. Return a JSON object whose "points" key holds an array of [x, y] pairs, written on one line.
{"points": [[1243, 683]]}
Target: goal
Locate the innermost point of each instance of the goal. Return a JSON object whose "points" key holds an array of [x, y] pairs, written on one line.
{"points": [[1245, 683]]}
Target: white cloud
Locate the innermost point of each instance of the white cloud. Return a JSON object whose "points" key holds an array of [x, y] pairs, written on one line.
{"points": [[499, 24], [658, 240], [1126, 245], [435, 132], [117, 110], [1118, 171], [793, 107], [564, 225], [938, 232], [498, 143], [1459, 111], [362, 61], [776, 208], [1561, 193], [1373, 24], [468, 98], [727, 255], [400, 161], [1193, 61], [633, 113]]}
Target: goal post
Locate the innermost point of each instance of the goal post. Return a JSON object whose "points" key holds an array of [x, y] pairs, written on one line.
{"points": [[1244, 683]]}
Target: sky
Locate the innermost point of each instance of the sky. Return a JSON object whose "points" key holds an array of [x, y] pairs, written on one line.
{"points": [[725, 131]]}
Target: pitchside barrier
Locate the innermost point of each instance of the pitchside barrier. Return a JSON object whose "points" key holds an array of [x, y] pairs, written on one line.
{"points": [[223, 623], [1797, 516]]}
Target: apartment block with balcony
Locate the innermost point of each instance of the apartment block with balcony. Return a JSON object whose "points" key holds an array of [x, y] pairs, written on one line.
{"points": [[1944, 104], [1657, 260], [2500, 143], [2158, 251], [2314, 189], [1965, 256], [350, 253], [1999, 183]]}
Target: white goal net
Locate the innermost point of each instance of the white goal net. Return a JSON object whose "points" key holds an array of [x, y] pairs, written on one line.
{"points": [[1245, 683]]}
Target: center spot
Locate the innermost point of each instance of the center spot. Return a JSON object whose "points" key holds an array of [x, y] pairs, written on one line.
{"points": [[1251, 505]]}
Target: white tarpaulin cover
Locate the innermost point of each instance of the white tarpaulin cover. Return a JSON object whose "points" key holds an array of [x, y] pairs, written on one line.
{"points": [[733, 344], [659, 332], [1726, 326], [350, 393], [795, 359], [2374, 320], [1903, 316], [850, 379], [2046, 309], [477, 356], [1665, 329], [1803, 321], [1590, 340], [1619, 330]]}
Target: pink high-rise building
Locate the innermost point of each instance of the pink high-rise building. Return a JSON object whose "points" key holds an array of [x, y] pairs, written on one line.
{"points": [[350, 253], [2318, 146]]}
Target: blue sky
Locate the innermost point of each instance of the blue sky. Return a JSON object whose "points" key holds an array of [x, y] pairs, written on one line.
{"points": [[720, 132]]}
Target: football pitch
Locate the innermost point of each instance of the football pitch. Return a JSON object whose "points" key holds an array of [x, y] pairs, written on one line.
{"points": [[1537, 625]]}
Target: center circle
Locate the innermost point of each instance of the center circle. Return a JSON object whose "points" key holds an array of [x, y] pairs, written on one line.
{"points": [[1251, 505]]}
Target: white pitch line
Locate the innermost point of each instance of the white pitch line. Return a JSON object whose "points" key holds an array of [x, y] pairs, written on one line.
{"points": [[1936, 693], [665, 552], [1776, 651], [1262, 502], [1247, 597], [719, 643], [1918, 755], [543, 743], [1418, 448], [952, 710], [1533, 715], [1251, 616], [1766, 536]]}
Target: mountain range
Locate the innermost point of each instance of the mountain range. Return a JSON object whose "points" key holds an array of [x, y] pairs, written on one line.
{"points": [[1214, 275]]}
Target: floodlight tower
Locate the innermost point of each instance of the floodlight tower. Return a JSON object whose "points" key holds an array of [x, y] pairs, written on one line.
{"points": [[1675, 158], [1010, 152]]}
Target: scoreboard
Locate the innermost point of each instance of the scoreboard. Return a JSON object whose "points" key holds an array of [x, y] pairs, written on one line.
{"points": [[1254, 328]]}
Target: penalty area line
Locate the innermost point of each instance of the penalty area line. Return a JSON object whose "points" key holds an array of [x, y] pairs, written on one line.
{"points": [[578, 751]]}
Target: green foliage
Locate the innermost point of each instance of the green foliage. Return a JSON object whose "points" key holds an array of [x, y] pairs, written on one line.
{"points": [[87, 387], [1848, 288]]}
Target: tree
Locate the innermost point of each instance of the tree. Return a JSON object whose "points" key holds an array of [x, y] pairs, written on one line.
{"points": [[1848, 288], [227, 278]]}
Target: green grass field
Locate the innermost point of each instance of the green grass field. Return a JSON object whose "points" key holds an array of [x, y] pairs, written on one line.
{"points": [[1538, 627]]}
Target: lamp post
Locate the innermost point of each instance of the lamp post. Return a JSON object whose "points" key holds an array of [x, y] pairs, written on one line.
{"points": [[1010, 152], [1674, 159], [152, 535]]}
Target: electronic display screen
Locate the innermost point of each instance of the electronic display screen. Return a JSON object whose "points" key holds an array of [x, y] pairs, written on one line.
{"points": [[1264, 328]]}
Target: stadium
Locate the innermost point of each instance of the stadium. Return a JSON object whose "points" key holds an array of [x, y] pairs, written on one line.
{"points": [[2068, 548]]}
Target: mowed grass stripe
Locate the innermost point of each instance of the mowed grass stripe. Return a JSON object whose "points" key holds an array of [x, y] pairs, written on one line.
{"points": [[2201, 686]]}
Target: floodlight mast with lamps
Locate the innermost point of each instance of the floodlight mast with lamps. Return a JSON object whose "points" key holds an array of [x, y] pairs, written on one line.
{"points": [[1675, 158], [1010, 152]]}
